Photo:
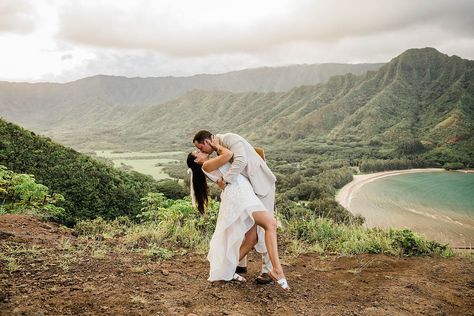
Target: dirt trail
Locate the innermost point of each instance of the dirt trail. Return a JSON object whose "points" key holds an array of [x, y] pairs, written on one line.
{"points": [[54, 278]]}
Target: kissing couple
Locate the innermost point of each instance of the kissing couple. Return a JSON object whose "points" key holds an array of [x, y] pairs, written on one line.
{"points": [[245, 218]]}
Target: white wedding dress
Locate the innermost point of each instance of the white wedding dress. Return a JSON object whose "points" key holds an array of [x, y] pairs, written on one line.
{"points": [[238, 202]]}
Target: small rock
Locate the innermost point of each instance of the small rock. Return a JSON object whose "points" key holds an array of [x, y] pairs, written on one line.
{"points": [[165, 272]]}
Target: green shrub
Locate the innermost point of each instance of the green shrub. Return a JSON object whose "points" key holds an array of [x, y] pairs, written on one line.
{"points": [[172, 189], [410, 147], [20, 193], [412, 244], [453, 166], [352, 239]]}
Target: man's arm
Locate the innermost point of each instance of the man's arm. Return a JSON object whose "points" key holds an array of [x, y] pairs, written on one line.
{"points": [[239, 163]]}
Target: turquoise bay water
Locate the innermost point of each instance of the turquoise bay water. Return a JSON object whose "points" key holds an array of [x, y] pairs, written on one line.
{"points": [[439, 205]]}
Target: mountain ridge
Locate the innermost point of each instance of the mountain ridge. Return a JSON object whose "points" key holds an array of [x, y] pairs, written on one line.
{"points": [[421, 95], [47, 104]]}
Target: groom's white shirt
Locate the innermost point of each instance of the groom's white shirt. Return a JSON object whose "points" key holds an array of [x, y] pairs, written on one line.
{"points": [[247, 162]]}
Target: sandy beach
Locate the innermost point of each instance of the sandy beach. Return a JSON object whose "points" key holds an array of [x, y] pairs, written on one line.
{"points": [[456, 229], [344, 196]]}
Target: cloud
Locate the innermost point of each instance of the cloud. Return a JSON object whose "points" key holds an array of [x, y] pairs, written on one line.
{"points": [[357, 49], [199, 28], [17, 16], [68, 40]]}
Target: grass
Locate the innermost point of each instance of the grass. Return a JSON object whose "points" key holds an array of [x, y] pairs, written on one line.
{"points": [[177, 228], [65, 261], [347, 239], [154, 251], [13, 254], [11, 262], [167, 228], [99, 254]]}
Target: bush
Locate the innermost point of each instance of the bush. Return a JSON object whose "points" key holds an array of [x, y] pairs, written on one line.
{"points": [[305, 191], [336, 178], [410, 147], [325, 234], [453, 166], [412, 244], [172, 189], [21, 194]]}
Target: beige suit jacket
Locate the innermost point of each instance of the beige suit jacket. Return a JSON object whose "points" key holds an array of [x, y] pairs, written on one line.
{"points": [[247, 162]]}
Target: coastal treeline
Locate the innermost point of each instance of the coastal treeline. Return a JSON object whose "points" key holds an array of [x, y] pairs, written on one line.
{"points": [[377, 165]]}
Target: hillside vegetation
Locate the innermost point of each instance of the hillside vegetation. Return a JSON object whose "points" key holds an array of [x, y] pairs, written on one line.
{"points": [[89, 188], [111, 100], [420, 103], [420, 96]]}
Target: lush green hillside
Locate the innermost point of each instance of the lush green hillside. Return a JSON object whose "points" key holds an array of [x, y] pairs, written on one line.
{"points": [[90, 188], [109, 100], [420, 103], [420, 96]]}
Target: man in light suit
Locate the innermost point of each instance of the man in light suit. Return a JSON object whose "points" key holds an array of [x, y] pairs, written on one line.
{"points": [[247, 162]]}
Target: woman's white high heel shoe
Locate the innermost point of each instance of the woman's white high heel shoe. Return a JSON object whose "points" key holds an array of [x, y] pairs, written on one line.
{"points": [[284, 284], [281, 282]]}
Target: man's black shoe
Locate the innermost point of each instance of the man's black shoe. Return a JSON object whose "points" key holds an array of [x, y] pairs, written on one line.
{"points": [[241, 269], [264, 278]]}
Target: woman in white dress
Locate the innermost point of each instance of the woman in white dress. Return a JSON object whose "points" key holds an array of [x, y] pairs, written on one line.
{"points": [[240, 210]]}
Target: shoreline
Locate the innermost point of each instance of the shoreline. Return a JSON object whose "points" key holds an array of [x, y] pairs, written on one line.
{"points": [[455, 236], [344, 196]]}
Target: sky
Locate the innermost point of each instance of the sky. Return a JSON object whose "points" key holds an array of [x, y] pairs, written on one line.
{"points": [[66, 40]]}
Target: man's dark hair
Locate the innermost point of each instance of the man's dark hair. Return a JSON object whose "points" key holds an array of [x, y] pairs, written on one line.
{"points": [[201, 136]]}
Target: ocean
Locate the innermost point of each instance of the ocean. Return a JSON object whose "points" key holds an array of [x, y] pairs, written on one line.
{"points": [[439, 205]]}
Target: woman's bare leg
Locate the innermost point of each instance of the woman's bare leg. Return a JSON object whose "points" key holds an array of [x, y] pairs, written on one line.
{"points": [[266, 220], [249, 242]]}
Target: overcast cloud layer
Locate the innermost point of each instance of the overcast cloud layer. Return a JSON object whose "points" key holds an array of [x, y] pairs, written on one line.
{"points": [[58, 40]]}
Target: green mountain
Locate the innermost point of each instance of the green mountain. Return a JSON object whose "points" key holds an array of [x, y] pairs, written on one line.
{"points": [[420, 95], [422, 99], [90, 188], [109, 100]]}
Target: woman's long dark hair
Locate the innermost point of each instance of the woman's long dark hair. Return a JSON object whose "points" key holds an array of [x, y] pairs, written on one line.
{"points": [[201, 190]]}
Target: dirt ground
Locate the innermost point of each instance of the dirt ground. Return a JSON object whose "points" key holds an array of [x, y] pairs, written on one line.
{"points": [[45, 270]]}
